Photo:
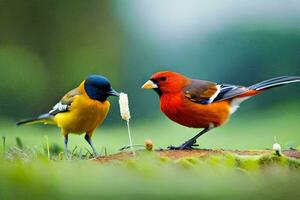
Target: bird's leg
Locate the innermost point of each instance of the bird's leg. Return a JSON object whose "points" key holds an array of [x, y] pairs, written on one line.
{"points": [[89, 140], [66, 146], [191, 142]]}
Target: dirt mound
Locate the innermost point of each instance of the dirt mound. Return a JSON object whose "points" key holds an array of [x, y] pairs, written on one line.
{"points": [[177, 154]]}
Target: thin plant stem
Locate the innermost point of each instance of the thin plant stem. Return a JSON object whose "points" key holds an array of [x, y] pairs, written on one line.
{"points": [[48, 147], [130, 140], [105, 151], [3, 143]]}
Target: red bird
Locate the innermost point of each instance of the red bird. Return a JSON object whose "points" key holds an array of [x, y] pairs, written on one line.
{"points": [[203, 104]]}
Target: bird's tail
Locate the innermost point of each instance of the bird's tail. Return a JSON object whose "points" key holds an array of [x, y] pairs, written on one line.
{"points": [[44, 118], [274, 82]]}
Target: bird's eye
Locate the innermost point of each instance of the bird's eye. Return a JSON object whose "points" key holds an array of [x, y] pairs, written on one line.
{"points": [[163, 78]]}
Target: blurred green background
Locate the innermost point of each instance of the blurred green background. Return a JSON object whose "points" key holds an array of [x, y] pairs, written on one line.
{"points": [[48, 47]]}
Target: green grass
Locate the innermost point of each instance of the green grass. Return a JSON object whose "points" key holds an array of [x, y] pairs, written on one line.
{"points": [[27, 173], [147, 178]]}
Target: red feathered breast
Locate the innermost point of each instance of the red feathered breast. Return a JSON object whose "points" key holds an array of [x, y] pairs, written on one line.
{"points": [[187, 113]]}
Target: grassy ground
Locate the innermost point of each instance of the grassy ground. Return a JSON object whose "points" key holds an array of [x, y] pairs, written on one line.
{"points": [[27, 173]]}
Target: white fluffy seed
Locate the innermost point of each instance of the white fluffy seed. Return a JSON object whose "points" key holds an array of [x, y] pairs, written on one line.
{"points": [[276, 147], [124, 107]]}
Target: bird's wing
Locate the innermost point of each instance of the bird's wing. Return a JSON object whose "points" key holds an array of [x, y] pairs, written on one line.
{"points": [[230, 91], [205, 92], [201, 91], [65, 102]]}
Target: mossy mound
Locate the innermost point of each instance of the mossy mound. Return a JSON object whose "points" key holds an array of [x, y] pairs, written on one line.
{"points": [[245, 160]]}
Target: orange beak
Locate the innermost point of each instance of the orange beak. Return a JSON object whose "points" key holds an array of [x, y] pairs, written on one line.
{"points": [[149, 85]]}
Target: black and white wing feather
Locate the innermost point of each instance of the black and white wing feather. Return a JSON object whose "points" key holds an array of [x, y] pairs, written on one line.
{"points": [[64, 104], [58, 108], [229, 91]]}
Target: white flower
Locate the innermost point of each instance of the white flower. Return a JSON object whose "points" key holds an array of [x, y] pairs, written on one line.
{"points": [[124, 107], [276, 147]]}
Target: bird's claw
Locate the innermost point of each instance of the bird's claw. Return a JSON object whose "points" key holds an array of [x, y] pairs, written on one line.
{"points": [[185, 146], [125, 147], [173, 147]]}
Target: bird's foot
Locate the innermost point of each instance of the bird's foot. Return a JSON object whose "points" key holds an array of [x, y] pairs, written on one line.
{"points": [[67, 155], [96, 154], [125, 147], [171, 147], [190, 144]]}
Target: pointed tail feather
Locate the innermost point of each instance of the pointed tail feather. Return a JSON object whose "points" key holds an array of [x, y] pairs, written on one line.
{"points": [[274, 82], [44, 118]]}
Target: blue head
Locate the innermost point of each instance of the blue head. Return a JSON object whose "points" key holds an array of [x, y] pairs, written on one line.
{"points": [[98, 88]]}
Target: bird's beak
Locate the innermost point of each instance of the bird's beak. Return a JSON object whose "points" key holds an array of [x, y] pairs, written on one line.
{"points": [[149, 85], [113, 92]]}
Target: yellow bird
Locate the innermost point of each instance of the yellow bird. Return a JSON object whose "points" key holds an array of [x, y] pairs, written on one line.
{"points": [[81, 110]]}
